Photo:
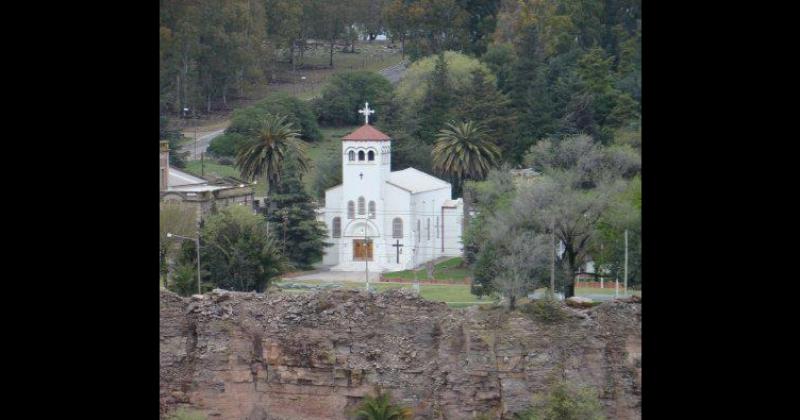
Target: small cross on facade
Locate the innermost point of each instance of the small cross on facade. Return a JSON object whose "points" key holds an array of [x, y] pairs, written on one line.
{"points": [[366, 111]]}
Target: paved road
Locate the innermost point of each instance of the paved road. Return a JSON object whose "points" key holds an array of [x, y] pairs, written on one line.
{"points": [[203, 140], [395, 72], [335, 276]]}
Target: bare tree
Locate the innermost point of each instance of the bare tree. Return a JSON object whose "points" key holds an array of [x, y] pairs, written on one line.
{"points": [[589, 161], [555, 203], [522, 264]]}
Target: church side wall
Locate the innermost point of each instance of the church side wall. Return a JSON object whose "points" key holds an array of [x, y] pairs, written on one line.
{"points": [[453, 221], [333, 205], [397, 203], [428, 207]]}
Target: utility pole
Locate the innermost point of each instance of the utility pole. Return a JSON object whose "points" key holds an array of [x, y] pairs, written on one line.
{"points": [[626, 262], [285, 222], [195, 136], [553, 260], [414, 267], [198, 265], [600, 266], [366, 258]]}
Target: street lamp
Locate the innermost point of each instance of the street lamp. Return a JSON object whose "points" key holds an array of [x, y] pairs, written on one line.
{"points": [[197, 247]]}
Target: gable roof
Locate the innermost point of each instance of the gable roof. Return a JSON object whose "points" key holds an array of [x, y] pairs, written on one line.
{"points": [[366, 132], [416, 181], [178, 178]]}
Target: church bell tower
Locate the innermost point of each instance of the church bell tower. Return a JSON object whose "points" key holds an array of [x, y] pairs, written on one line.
{"points": [[366, 162]]}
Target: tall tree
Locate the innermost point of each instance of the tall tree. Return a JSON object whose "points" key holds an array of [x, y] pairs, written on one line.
{"points": [[295, 219], [267, 148], [462, 152], [483, 104], [238, 252], [529, 94], [522, 264], [437, 103]]}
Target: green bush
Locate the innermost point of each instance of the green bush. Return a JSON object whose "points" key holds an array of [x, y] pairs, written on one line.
{"points": [[184, 279], [226, 145], [565, 402], [545, 310], [380, 407], [346, 92], [246, 120], [238, 252], [184, 414]]}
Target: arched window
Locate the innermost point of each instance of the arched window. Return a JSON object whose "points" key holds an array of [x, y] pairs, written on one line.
{"points": [[371, 209], [428, 228], [397, 228], [360, 155], [351, 210], [351, 156], [361, 204], [337, 227], [371, 155]]}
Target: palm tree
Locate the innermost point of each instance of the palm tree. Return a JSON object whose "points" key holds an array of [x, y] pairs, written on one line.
{"points": [[463, 152], [380, 407], [269, 146]]}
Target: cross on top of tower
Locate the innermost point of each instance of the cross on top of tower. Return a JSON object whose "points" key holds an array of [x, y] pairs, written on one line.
{"points": [[366, 111]]}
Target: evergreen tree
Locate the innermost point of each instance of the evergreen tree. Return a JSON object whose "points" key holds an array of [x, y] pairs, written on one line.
{"points": [[530, 95], [484, 104], [438, 102], [237, 251], [294, 219]]}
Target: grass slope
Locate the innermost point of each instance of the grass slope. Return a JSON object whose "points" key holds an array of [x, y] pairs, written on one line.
{"points": [[445, 270]]}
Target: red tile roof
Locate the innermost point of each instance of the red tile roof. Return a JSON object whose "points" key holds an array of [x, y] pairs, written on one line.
{"points": [[366, 132]]}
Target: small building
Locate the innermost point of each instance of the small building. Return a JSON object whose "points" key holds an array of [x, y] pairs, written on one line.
{"points": [[206, 195]]}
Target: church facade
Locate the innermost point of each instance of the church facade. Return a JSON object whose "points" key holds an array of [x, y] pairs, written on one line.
{"points": [[387, 220]]}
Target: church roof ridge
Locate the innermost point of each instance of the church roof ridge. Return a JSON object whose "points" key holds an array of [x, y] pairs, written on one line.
{"points": [[415, 181], [366, 132]]}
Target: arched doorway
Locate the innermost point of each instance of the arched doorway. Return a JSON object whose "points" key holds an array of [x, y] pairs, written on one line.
{"points": [[362, 235]]}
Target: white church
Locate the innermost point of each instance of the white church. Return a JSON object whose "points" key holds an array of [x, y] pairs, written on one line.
{"points": [[387, 220]]}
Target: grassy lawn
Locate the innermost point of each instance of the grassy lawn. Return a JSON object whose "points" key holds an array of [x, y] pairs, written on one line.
{"points": [[330, 144], [456, 295], [445, 270]]}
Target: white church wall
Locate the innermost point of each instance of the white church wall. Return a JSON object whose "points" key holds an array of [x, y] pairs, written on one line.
{"points": [[427, 208], [398, 203], [363, 178], [333, 198], [453, 221]]}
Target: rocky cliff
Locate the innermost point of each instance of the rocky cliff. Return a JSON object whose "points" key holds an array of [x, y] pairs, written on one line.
{"points": [[250, 356]]}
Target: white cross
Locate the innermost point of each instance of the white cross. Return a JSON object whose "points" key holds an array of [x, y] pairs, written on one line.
{"points": [[366, 111]]}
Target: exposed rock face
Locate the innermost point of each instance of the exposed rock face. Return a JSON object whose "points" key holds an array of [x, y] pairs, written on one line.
{"points": [[249, 356]]}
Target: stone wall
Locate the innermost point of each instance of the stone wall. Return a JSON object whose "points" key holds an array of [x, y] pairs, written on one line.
{"points": [[281, 356]]}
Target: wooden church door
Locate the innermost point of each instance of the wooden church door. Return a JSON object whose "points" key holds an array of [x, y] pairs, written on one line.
{"points": [[362, 250]]}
